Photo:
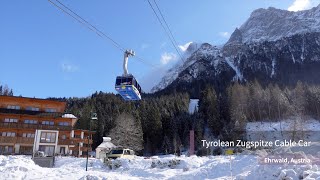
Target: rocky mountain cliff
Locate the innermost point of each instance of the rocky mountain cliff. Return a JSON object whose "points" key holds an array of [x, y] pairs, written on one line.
{"points": [[273, 45]]}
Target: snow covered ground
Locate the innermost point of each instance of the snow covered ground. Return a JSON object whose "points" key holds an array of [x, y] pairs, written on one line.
{"points": [[245, 166]]}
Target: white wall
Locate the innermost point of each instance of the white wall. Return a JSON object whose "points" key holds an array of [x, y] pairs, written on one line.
{"points": [[37, 138]]}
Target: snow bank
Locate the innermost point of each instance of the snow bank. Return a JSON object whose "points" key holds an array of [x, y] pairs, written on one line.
{"points": [[210, 167], [288, 129]]}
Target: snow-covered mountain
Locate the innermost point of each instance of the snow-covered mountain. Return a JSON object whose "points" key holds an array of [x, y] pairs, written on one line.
{"points": [[272, 24], [173, 72], [273, 45]]}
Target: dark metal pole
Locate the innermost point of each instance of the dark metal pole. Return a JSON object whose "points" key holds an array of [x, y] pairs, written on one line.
{"points": [[93, 117], [88, 146]]}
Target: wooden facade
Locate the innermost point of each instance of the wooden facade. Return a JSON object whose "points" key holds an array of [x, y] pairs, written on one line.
{"points": [[31, 124]]}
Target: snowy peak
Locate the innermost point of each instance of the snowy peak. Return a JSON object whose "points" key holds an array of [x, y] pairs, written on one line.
{"points": [[193, 53], [273, 45], [272, 24]]}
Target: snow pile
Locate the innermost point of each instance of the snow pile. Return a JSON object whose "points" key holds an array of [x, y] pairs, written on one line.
{"points": [[193, 105], [210, 167], [238, 75], [69, 116], [287, 171], [288, 129]]}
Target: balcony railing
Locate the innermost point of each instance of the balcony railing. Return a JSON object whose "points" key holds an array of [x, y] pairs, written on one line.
{"points": [[76, 148], [34, 113], [85, 148], [85, 141], [21, 140], [24, 140], [73, 141], [34, 126], [65, 142]]}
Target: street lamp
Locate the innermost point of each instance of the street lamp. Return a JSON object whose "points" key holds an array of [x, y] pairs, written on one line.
{"points": [[94, 116]]}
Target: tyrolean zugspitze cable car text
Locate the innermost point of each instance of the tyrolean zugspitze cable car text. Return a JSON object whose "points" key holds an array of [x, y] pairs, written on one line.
{"points": [[126, 85]]}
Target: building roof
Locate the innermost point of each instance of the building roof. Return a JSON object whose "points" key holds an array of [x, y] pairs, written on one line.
{"points": [[106, 144], [33, 98], [69, 116]]}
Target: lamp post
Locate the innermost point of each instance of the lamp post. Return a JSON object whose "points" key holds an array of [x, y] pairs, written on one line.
{"points": [[93, 117]]}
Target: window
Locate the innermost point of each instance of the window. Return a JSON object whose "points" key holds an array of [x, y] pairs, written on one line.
{"points": [[8, 134], [118, 81], [48, 137], [63, 124], [13, 107], [62, 150], [126, 152], [6, 149], [63, 136], [10, 120], [50, 110], [27, 121], [26, 150], [77, 136], [51, 123], [129, 80], [116, 152], [28, 135], [48, 150], [30, 108]]}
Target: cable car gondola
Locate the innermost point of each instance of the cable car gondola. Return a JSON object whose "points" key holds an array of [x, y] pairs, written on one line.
{"points": [[126, 85]]}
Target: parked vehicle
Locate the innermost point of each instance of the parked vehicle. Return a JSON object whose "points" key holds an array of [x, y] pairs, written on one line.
{"points": [[121, 153]]}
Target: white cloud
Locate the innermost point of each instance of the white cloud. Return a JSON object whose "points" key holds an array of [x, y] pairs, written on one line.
{"points": [[149, 80], [299, 5], [68, 67], [167, 58], [162, 45], [144, 46], [184, 47], [224, 34]]}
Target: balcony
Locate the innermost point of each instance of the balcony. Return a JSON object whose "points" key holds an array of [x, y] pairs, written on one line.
{"points": [[85, 141], [20, 140], [24, 140], [73, 141], [76, 148], [34, 126], [85, 148], [66, 142], [34, 113]]}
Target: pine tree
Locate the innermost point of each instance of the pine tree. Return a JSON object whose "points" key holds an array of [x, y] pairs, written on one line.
{"points": [[209, 109], [127, 132]]}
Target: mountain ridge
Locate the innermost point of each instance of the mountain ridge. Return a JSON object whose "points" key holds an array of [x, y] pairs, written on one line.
{"points": [[246, 57]]}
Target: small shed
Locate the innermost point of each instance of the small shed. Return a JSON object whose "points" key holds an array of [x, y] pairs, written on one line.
{"points": [[105, 147]]}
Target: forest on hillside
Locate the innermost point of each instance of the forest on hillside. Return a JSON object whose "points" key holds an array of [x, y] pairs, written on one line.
{"points": [[161, 124]]}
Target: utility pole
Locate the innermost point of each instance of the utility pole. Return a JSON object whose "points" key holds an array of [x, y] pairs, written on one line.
{"points": [[93, 117]]}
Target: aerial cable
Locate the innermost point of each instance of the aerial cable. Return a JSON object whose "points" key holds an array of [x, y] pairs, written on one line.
{"points": [[166, 31], [91, 27], [165, 22]]}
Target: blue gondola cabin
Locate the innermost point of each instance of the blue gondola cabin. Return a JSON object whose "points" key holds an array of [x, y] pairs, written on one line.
{"points": [[128, 88]]}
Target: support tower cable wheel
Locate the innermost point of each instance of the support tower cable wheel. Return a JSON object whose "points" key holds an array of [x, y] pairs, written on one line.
{"points": [[126, 85]]}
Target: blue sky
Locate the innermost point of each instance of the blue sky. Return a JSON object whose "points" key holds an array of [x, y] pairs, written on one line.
{"points": [[44, 53]]}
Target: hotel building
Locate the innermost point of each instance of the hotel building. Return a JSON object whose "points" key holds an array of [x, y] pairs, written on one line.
{"points": [[29, 124]]}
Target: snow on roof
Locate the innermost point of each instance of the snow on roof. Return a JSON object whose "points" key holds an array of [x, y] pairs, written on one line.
{"points": [[106, 143], [193, 105], [69, 116]]}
